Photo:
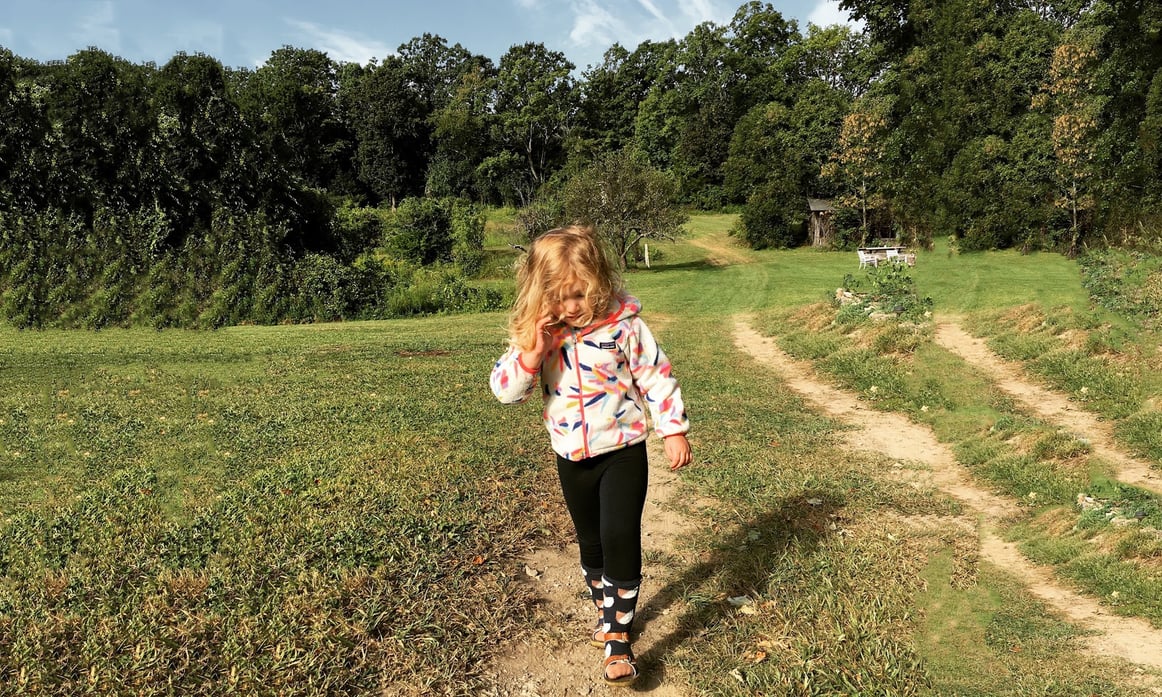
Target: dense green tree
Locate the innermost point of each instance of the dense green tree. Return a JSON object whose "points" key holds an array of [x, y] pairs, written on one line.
{"points": [[102, 133], [204, 149], [612, 91], [462, 131], [758, 39], [291, 103], [1150, 134], [837, 56], [1129, 55], [773, 141], [437, 68], [23, 129], [391, 123], [773, 216], [535, 109], [889, 23]]}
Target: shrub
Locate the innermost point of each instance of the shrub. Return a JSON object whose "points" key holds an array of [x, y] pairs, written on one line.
{"points": [[328, 290], [537, 218], [356, 229], [890, 290], [421, 231], [773, 217], [467, 236]]}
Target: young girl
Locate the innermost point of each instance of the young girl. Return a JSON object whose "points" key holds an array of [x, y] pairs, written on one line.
{"points": [[599, 367]]}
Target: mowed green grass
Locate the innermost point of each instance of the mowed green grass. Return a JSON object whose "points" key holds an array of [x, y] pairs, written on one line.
{"points": [[341, 509]]}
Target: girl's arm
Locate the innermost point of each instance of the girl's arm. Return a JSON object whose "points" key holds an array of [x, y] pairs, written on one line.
{"points": [[515, 375], [513, 381], [650, 369]]}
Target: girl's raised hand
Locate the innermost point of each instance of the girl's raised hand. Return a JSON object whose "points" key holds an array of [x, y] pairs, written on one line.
{"points": [[533, 358]]}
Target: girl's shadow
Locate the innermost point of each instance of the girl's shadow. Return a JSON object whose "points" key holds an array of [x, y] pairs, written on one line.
{"points": [[740, 562]]}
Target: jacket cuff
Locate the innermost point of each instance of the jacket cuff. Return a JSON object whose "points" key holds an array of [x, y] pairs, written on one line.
{"points": [[521, 363]]}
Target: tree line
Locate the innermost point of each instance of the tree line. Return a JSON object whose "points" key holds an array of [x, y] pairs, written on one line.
{"points": [[197, 194]]}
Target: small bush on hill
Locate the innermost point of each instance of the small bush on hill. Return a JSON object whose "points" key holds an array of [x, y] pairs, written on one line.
{"points": [[421, 231], [889, 291]]}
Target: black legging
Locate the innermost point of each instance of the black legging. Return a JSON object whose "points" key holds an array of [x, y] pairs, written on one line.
{"points": [[605, 495]]}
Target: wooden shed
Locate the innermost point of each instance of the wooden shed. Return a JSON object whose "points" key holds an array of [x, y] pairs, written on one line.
{"points": [[820, 226]]}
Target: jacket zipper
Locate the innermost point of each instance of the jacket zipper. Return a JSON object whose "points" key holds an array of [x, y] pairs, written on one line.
{"points": [[580, 394]]}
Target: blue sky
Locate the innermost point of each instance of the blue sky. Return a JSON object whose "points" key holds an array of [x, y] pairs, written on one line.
{"points": [[244, 32]]}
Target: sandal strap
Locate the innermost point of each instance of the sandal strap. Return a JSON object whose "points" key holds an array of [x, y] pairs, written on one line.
{"points": [[627, 659]]}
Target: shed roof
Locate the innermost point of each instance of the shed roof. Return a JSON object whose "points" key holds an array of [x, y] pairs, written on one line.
{"points": [[819, 205]]}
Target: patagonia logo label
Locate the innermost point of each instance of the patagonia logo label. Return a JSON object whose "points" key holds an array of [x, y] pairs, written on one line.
{"points": [[608, 345]]}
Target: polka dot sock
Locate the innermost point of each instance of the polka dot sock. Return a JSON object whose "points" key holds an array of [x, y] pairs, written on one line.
{"points": [[620, 603]]}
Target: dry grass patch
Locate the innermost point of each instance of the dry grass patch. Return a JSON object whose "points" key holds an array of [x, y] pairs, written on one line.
{"points": [[814, 317]]}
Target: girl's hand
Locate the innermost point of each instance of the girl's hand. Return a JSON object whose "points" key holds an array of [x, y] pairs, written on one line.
{"points": [[543, 334], [678, 450]]}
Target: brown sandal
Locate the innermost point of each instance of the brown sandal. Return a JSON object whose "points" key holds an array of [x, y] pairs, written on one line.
{"points": [[628, 660]]}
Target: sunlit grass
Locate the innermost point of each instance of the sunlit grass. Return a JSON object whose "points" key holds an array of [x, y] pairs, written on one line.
{"points": [[340, 507]]}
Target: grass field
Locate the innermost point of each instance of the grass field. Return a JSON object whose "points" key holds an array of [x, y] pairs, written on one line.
{"points": [[341, 508]]}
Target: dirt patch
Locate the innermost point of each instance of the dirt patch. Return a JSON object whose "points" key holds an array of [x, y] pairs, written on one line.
{"points": [[555, 659], [1052, 406], [1130, 639]]}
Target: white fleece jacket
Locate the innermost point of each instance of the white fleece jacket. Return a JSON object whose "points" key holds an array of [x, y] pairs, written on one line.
{"points": [[594, 382]]}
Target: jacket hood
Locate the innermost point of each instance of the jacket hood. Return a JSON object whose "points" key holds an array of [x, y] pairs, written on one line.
{"points": [[627, 307]]}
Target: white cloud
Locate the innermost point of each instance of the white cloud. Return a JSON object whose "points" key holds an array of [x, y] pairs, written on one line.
{"points": [[603, 22], [595, 25], [699, 11], [827, 13], [96, 28], [340, 45], [653, 10]]}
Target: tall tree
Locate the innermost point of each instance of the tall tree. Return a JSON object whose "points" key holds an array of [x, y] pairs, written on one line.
{"points": [[23, 129], [291, 103], [462, 131], [391, 121], [202, 144], [612, 92], [856, 169], [535, 108], [102, 132], [1076, 112]]}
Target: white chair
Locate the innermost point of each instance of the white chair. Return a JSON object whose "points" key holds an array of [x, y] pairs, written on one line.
{"points": [[894, 255], [867, 259]]}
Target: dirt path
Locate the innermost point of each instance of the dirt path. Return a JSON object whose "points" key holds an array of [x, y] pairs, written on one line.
{"points": [[1051, 406], [558, 660], [894, 435], [722, 250]]}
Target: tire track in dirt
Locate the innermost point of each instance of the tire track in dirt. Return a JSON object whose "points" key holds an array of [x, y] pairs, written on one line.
{"points": [[1127, 638], [557, 660], [1049, 405]]}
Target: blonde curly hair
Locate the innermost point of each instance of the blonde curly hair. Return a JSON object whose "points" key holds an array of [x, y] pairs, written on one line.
{"points": [[556, 260]]}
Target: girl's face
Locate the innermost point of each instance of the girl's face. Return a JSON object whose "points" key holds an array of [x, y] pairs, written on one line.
{"points": [[572, 307]]}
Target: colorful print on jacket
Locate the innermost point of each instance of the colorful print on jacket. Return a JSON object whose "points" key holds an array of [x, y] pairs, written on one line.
{"points": [[594, 380]]}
